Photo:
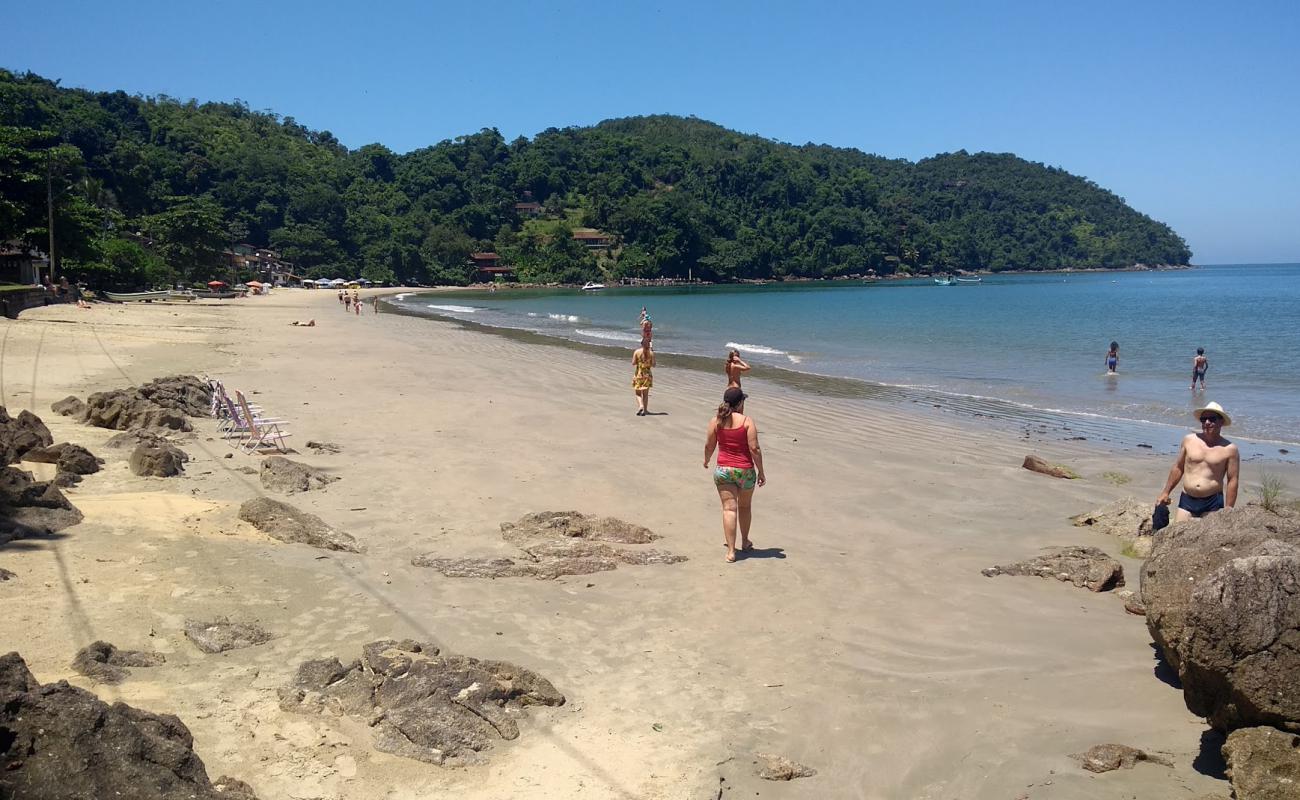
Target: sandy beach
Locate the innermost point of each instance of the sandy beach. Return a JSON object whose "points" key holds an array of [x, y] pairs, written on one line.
{"points": [[861, 639]]}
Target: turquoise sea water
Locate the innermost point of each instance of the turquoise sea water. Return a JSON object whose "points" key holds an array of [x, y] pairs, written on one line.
{"points": [[1026, 346]]}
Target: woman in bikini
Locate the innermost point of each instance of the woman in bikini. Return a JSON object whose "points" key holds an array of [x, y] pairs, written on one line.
{"points": [[739, 470], [734, 368], [643, 360]]}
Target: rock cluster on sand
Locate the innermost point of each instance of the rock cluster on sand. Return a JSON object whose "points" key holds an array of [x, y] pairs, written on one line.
{"points": [[104, 663], [1106, 757], [28, 507], [157, 460], [59, 741], [771, 767], [221, 635], [160, 403], [280, 474], [556, 543], [435, 708], [1035, 464], [6, 575], [71, 460], [1222, 595], [1127, 519], [288, 524], [1085, 567]]}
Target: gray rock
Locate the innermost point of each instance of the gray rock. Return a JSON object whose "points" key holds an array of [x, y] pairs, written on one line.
{"points": [[221, 635], [134, 438], [574, 525], [441, 709], [68, 457], [287, 524], [1240, 650], [158, 461], [125, 409], [30, 508], [1085, 567], [187, 394], [65, 479], [1185, 553], [1127, 519], [1263, 764], [61, 742], [20, 434], [104, 663], [324, 447], [70, 406], [771, 767], [6, 575], [1106, 757], [1035, 464], [280, 474]]}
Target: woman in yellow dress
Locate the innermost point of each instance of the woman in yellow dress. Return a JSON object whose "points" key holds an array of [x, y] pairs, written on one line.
{"points": [[643, 359]]}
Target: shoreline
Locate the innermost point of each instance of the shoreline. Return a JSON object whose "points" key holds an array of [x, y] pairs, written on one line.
{"points": [[863, 642]]}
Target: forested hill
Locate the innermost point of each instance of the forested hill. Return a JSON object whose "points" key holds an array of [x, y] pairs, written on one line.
{"points": [[675, 195]]}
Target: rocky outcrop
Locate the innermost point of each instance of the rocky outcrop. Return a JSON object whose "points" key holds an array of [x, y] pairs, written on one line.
{"points": [[67, 457], [1035, 464], [221, 635], [1186, 553], [1085, 567], [187, 394], [129, 440], [163, 403], [104, 663], [59, 741], [158, 460], [1128, 519], [287, 524], [280, 474], [70, 406], [1240, 651], [557, 543], [771, 767], [442, 709], [1107, 757], [1263, 764], [21, 434], [32, 508]]}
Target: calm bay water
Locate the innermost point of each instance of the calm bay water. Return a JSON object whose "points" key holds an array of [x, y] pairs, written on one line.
{"points": [[1031, 346]]}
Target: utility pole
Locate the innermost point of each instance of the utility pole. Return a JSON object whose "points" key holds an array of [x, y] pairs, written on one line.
{"points": [[49, 204]]}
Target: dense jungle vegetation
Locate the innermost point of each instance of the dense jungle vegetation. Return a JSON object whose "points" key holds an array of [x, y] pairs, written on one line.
{"points": [[147, 190]]}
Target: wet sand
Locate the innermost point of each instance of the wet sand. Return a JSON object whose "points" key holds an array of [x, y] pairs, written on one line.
{"points": [[861, 639]]}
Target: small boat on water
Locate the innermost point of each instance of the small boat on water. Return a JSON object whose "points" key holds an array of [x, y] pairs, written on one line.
{"points": [[943, 281], [592, 287], [974, 279], [138, 297]]}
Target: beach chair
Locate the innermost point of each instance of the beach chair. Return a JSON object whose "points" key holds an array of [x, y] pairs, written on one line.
{"points": [[234, 423], [261, 432]]}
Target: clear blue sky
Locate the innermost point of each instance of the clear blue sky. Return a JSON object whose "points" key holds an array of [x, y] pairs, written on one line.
{"points": [[1189, 110]]}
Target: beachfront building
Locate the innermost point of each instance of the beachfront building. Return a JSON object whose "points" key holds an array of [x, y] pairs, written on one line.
{"points": [[20, 264], [593, 239]]}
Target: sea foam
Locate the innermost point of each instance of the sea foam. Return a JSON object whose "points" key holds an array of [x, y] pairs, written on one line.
{"points": [[609, 335], [456, 309], [756, 348]]}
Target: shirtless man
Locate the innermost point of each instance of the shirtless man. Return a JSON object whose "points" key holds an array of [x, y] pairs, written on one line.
{"points": [[1199, 365], [1208, 465]]}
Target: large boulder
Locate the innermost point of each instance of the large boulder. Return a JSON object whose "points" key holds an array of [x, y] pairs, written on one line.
{"points": [[31, 508], [59, 741], [70, 406], [124, 409], [158, 461], [1263, 764], [68, 457], [288, 524], [134, 438], [1240, 650], [187, 394], [280, 474], [20, 434], [1085, 567], [438, 708], [1186, 553]]}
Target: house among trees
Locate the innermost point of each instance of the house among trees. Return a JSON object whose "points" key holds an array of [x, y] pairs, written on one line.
{"points": [[20, 264], [488, 267], [593, 239], [263, 262], [529, 209]]}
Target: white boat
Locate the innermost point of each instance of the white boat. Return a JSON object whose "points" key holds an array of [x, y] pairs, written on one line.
{"points": [[592, 287], [975, 279], [138, 297], [180, 296], [943, 281]]}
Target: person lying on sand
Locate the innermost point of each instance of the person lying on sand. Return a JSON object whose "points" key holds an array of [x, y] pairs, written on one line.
{"points": [[311, 323]]}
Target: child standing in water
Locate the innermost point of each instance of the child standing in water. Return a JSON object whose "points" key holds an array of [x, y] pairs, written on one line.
{"points": [[1199, 365], [1112, 358]]}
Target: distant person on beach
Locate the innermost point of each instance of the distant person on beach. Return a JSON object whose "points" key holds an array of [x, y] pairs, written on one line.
{"points": [[1207, 464], [374, 301], [647, 326], [1112, 358], [1199, 366], [356, 305], [734, 368], [342, 294], [643, 360], [347, 302], [739, 470]]}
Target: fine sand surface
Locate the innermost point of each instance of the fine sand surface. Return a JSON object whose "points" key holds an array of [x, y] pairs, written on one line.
{"points": [[861, 639]]}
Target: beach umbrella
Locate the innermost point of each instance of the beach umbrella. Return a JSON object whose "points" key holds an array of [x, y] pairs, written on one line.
{"points": [[259, 284], [215, 284]]}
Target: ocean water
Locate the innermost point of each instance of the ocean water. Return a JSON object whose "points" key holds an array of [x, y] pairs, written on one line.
{"points": [[1027, 347]]}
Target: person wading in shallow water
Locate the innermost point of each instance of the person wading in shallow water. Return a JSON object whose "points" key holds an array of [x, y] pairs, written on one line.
{"points": [[1207, 464], [739, 470], [1200, 364], [1112, 358], [643, 360], [734, 368]]}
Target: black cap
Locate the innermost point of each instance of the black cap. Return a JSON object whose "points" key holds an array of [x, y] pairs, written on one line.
{"points": [[733, 396]]}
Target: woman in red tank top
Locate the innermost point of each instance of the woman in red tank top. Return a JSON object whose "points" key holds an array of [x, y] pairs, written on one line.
{"points": [[739, 470]]}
